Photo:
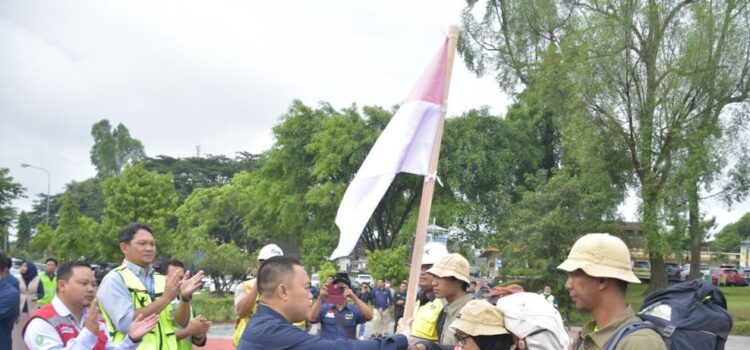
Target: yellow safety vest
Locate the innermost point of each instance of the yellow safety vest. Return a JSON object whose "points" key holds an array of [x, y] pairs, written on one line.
{"points": [[242, 323], [162, 337], [50, 289], [186, 343], [425, 320]]}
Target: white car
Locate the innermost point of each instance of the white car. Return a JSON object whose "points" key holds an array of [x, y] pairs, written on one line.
{"points": [[363, 278], [705, 271]]}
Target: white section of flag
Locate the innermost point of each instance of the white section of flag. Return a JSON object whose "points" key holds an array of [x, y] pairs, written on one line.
{"points": [[404, 146]]}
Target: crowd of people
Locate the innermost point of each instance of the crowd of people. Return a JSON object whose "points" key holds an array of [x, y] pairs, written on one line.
{"points": [[138, 307]]}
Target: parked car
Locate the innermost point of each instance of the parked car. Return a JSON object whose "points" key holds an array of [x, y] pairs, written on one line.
{"points": [[730, 277], [361, 278], [673, 271], [642, 270], [705, 271], [746, 277]]}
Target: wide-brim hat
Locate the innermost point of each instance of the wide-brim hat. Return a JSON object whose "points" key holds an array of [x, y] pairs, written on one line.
{"points": [[451, 265], [601, 255], [479, 317]]}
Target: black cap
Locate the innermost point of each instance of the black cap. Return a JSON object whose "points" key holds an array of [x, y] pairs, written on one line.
{"points": [[342, 277]]}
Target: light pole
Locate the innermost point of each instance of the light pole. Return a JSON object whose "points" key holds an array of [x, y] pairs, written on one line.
{"points": [[24, 165]]}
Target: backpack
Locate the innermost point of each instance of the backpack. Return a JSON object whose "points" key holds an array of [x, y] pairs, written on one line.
{"points": [[532, 318], [687, 315]]}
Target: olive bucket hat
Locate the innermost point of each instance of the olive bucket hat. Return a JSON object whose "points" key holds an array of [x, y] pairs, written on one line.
{"points": [[451, 265], [478, 317], [601, 255]]}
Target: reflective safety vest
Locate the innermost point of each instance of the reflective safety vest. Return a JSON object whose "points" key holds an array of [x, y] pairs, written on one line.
{"points": [[50, 289], [551, 299], [187, 342], [65, 329], [425, 320], [240, 324], [162, 337]]}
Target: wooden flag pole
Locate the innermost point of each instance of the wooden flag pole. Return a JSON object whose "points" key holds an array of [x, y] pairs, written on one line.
{"points": [[429, 186]]}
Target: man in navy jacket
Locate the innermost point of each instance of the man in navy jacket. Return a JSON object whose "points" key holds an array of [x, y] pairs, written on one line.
{"points": [[284, 299]]}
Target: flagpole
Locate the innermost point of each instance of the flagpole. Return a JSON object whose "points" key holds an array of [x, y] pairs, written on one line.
{"points": [[428, 187]]}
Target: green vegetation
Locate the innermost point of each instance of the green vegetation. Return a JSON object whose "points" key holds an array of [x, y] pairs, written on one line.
{"points": [[216, 309]]}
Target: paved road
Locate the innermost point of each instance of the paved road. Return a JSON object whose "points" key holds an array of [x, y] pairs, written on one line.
{"points": [[220, 338]]}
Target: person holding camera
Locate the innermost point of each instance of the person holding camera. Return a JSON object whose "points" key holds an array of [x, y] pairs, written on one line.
{"points": [[339, 319]]}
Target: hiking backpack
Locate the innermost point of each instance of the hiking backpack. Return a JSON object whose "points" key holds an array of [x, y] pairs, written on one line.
{"points": [[687, 315], [529, 316]]}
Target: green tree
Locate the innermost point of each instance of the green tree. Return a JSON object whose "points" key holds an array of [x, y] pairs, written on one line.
{"points": [[389, 264], [731, 235], [201, 172], [644, 70], [299, 184], [113, 149], [23, 231], [41, 241], [74, 234], [9, 190], [137, 195]]}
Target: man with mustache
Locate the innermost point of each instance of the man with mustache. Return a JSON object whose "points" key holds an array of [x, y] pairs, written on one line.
{"points": [[71, 320]]}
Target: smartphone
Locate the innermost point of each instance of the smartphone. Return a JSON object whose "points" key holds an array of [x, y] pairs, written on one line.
{"points": [[335, 295]]}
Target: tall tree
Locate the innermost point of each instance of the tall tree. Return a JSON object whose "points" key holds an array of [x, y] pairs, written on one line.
{"points": [[113, 149], [9, 190], [300, 182], [640, 69], [137, 195], [201, 172], [23, 231]]}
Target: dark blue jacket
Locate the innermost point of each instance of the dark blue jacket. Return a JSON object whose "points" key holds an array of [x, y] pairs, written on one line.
{"points": [[381, 298], [9, 305], [268, 330]]}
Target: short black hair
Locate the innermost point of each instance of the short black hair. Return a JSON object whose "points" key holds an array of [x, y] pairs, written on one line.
{"points": [[128, 232], [52, 260], [66, 269], [175, 262], [273, 272], [5, 262]]}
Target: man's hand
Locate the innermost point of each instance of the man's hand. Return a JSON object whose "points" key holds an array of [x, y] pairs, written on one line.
{"points": [[198, 326], [400, 302], [92, 318], [404, 326], [323, 292], [189, 285], [172, 284], [140, 326], [348, 293]]}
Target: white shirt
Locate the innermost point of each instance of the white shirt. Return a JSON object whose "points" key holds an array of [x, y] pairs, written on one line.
{"points": [[40, 335]]}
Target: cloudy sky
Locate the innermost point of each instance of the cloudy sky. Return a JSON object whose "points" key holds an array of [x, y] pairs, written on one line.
{"points": [[212, 73]]}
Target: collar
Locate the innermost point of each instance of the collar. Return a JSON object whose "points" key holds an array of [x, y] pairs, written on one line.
{"points": [[458, 304], [63, 311], [601, 336], [138, 270]]}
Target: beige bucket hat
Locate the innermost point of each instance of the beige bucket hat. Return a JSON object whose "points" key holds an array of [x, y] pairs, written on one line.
{"points": [[601, 255], [479, 317], [451, 265]]}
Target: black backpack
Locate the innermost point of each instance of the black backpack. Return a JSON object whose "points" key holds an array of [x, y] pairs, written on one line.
{"points": [[687, 315]]}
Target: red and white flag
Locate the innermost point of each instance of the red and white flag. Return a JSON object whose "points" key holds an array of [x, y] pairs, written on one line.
{"points": [[404, 146]]}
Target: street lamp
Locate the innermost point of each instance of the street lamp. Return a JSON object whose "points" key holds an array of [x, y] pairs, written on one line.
{"points": [[24, 165]]}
